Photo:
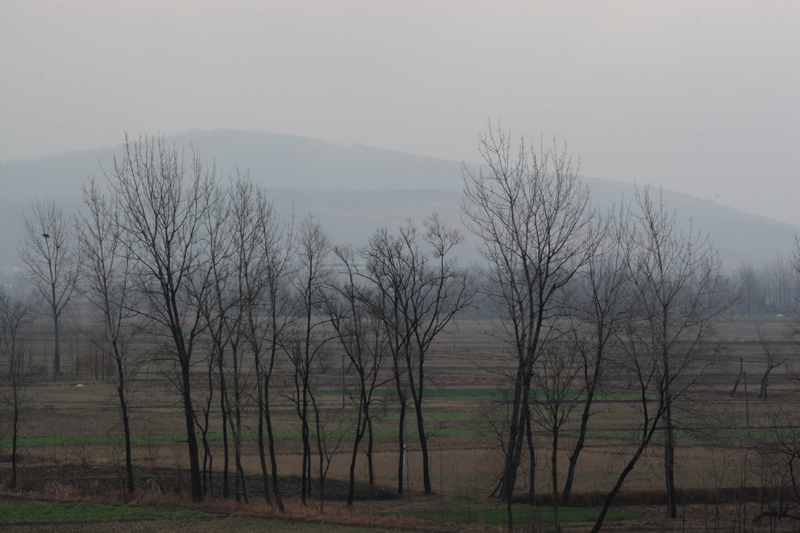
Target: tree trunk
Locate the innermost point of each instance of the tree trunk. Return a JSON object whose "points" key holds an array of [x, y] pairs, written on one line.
{"points": [[516, 433], [573, 458], [225, 451], [14, 442], [587, 412], [532, 459], [272, 456], [621, 480], [554, 477], [423, 442], [191, 436], [125, 425], [401, 437], [370, 448], [738, 378], [361, 426], [57, 352], [669, 465], [262, 453], [669, 438]]}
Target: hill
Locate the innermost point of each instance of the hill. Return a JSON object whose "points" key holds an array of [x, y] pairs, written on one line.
{"points": [[353, 190]]}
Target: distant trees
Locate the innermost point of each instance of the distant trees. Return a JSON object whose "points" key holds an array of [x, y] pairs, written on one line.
{"points": [[53, 264], [767, 289]]}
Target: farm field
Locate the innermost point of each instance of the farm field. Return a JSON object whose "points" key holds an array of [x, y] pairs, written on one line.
{"points": [[71, 451]]}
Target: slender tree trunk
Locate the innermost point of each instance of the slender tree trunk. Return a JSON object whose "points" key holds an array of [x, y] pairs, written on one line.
{"points": [[352, 486], [223, 404], [208, 486], [262, 453], [191, 436], [125, 425], [554, 476], [272, 456], [515, 435], [370, 448], [360, 429], [738, 377], [14, 441], [587, 412], [669, 463], [401, 438], [225, 450], [236, 430], [57, 353], [423, 443], [532, 458], [669, 436], [621, 479], [306, 476]]}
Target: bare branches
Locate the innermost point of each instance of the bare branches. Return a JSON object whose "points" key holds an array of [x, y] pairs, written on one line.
{"points": [[163, 203], [532, 217], [53, 263]]}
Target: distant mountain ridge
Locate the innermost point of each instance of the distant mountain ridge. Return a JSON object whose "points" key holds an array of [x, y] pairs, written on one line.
{"points": [[353, 189], [274, 160]]}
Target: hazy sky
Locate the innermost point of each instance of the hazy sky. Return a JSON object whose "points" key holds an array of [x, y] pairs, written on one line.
{"points": [[702, 97]]}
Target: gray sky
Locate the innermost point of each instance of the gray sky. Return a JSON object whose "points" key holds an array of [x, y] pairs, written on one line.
{"points": [[701, 97]]}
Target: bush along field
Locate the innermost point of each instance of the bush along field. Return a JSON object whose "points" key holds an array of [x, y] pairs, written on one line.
{"points": [[199, 362]]}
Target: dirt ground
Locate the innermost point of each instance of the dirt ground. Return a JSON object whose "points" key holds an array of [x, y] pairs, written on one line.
{"points": [[102, 483]]}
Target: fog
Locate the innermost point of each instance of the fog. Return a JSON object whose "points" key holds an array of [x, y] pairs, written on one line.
{"points": [[700, 97]]}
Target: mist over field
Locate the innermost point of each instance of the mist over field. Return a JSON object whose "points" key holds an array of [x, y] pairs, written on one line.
{"points": [[354, 190]]}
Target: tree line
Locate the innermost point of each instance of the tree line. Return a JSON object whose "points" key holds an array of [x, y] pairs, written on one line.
{"points": [[228, 294]]}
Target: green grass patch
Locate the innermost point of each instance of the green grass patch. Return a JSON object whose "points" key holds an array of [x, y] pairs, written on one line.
{"points": [[88, 512], [499, 515]]}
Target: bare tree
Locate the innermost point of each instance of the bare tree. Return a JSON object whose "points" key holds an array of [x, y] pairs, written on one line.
{"points": [[388, 272], [231, 239], [421, 290], [364, 341], [269, 313], [773, 353], [679, 292], [553, 399], [50, 254], [600, 305], [14, 316], [308, 340], [530, 213], [162, 200], [108, 287]]}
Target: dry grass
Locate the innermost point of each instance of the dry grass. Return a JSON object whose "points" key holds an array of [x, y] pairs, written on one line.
{"points": [[712, 467]]}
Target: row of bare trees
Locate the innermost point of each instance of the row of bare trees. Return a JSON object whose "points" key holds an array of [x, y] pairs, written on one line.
{"points": [[575, 291], [170, 254], [167, 254]]}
